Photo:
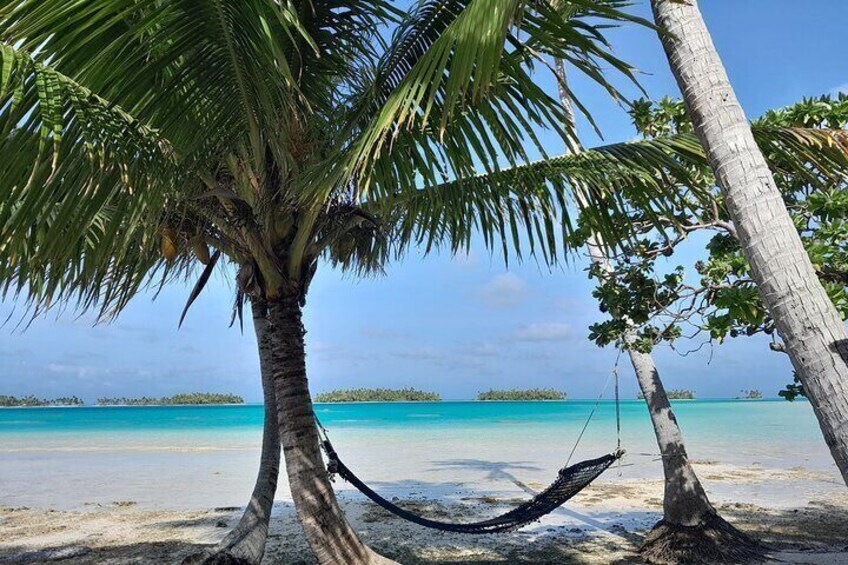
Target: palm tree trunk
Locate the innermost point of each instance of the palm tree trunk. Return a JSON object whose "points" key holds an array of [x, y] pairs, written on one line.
{"points": [[815, 335], [684, 503], [688, 516], [691, 531], [245, 544], [330, 536]]}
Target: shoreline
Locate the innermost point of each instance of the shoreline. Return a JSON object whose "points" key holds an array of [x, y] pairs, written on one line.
{"points": [[133, 405], [91, 482], [604, 524]]}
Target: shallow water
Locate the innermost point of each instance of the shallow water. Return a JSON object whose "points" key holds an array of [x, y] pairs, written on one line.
{"points": [[67, 457]]}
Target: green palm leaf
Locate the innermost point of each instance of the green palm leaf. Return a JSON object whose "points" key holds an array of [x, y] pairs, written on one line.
{"points": [[454, 92], [82, 181], [655, 177], [281, 132]]}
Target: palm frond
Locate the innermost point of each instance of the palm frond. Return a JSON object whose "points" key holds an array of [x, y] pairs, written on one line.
{"points": [[217, 66], [455, 91], [533, 204], [83, 188]]}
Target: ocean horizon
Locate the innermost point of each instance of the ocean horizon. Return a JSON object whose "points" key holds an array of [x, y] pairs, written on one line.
{"points": [[741, 431]]}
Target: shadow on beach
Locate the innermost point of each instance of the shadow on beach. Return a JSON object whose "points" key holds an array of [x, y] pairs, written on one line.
{"points": [[574, 534]]}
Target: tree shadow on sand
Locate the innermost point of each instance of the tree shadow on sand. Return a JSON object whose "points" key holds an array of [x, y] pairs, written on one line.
{"points": [[80, 554], [582, 540]]}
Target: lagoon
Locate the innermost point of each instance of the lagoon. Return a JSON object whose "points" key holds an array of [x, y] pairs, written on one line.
{"points": [[215, 447]]}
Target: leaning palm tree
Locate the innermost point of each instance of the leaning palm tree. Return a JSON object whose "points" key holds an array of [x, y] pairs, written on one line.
{"points": [[815, 336], [137, 135]]}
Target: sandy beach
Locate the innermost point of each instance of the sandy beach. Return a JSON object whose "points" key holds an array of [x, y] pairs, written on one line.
{"points": [[144, 497], [603, 525]]}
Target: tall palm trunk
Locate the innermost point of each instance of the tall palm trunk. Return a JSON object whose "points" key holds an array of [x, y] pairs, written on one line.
{"points": [[815, 335], [330, 536], [688, 515], [245, 544]]}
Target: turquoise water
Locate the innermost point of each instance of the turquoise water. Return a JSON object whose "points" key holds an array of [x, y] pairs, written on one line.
{"points": [[757, 418], [79, 456], [774, 421]]}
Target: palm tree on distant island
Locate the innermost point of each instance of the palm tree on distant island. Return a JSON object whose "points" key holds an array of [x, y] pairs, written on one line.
{"points": [[283, 135]]}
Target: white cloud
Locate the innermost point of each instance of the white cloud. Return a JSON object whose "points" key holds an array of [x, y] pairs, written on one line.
{"points": [[80, 371], [326, 347], [503, 291], [541, 332], [334, 352], [377, 333]]}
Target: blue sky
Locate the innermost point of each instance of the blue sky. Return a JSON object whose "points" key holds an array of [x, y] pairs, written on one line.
{"points": [[456, 326]]}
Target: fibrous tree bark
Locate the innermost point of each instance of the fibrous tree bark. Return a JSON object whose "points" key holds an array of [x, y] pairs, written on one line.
{"points": [[691, 531], [245, 544], [815, 336], [332, 539]]}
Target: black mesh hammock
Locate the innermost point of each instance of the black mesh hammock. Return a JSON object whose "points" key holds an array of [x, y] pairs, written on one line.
{"points": [[570, 481]]}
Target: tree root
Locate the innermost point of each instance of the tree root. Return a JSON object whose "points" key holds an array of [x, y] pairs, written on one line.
{"points": [[713, 542]]}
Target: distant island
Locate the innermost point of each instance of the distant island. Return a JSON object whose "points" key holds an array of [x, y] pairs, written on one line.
{"points": [[196, 398], [752, 394], [523, 394], [377, 395], [31, 401], [674, 394]]}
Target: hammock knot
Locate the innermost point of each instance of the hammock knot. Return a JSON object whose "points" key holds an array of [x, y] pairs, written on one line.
{"points": [[332, 469], [332, 459]]}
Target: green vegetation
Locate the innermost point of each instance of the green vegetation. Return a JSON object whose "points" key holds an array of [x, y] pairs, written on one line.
{"points": [[378, 395], [29, 400], [675, 394], [523, 394], [177, 399], [794, 390], [750, 395], [720, 299]]}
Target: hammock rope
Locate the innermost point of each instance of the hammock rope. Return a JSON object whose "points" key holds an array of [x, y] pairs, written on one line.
{"points": [[569, 482]]}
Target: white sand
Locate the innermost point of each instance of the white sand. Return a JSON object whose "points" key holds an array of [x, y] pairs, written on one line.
{"points": [[167, 491]]}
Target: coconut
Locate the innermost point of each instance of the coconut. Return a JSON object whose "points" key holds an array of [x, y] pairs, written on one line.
{"points": [[201, 250], [169, 244]]}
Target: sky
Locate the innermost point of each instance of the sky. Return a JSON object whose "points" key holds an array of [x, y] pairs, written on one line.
{"points": [[459, 325]]}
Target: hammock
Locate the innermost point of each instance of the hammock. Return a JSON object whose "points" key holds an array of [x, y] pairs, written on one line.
{"points": [[570, 481]]}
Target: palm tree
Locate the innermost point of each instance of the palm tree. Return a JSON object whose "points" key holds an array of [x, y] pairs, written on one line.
{"points": [[691, 531], [246, 542], [283, 134], [815, 336], [137, 134]]}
